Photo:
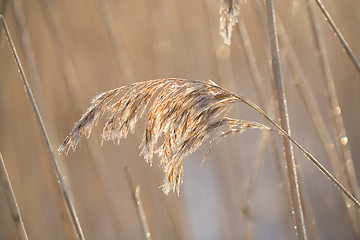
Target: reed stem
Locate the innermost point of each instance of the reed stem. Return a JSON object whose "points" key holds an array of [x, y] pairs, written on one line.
{"points": [[337, 32], [11, 200], [334, 105], [309, 100], [135, 194], [306, 153], [284, 123], [64, 191]]}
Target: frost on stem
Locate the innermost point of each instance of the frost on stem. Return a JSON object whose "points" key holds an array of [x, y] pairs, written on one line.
{"points": [[180, 114], [229, 12]]}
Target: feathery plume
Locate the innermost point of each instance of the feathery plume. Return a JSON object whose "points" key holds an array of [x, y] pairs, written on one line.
{"points": [[183, 113]]}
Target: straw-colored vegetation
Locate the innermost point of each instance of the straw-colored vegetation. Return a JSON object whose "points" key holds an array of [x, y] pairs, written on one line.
{"points": [[300, 70]]}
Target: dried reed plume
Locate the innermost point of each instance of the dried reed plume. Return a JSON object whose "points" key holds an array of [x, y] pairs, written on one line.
{"points": [[229, 12], [182, 115]]}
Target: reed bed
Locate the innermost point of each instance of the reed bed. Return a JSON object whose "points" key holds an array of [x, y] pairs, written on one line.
{"points": [[71, 51]]}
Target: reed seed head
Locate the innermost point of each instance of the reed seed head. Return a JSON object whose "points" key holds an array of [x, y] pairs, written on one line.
{"points": [[180, 115]]}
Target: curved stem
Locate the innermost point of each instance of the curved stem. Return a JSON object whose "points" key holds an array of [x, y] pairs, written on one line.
{"points": [[306, 153]]}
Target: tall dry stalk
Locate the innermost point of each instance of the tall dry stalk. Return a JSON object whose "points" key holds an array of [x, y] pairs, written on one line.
{"points": [[337, 32], [265, 139], [11, 200], [250, 57], [64, 191], [284, 123], [306, 93], [135, 195], [334, 105], [73, 83], [260, 15], [158, 9], [33, 74]]}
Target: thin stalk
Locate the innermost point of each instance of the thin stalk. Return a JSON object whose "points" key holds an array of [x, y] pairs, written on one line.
{"points": [[308, 98], [308, 210], [29, 57], [266, 39], [141, 211], [309, 213], [72, 83], [258, 162], [259, 87], [284, 122], [33, 74], [250, 57], [265, 139], [11, 200], [64, 191], [306, 153], [135, 194], [343, 42], [322, 131], [334, 107], [2, 13], [221, 69]]}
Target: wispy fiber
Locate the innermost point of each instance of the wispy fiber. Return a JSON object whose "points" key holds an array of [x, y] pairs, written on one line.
{"points": [[182, 115]]}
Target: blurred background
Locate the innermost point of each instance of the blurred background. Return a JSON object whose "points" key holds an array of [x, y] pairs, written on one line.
{"points": [[73, 50]]}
